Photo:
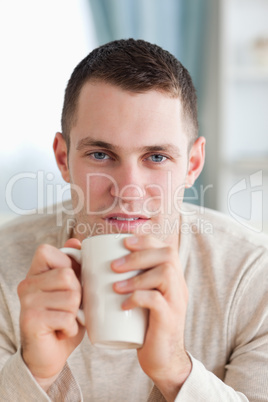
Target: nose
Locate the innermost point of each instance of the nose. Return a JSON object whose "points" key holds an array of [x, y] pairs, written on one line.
{"points": [[128, 183]]}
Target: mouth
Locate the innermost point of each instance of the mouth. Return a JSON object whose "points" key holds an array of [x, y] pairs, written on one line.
{"points": [[126, 223]]}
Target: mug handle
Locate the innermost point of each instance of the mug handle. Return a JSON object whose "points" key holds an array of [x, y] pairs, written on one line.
{"points": [[77, 256]]}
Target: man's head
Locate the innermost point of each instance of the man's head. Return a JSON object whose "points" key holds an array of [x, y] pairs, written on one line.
{"points": [[135, 66], [129, 145]]}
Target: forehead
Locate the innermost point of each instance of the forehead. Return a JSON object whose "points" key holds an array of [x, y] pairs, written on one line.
{"points": [[109, 113]]}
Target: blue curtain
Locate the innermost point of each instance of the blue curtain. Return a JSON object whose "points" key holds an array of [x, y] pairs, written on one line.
{"points": [[179, 26], [152, 20], [176, 25]]}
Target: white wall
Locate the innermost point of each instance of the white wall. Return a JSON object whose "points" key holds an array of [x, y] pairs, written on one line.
{"points": [[40, 42]]}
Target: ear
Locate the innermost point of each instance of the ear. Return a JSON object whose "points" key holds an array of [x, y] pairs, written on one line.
{"points": [[196, 161], [61, 155]]}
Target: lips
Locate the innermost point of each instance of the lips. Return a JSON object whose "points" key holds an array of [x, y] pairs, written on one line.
{"points": [[126, 217], [120, 218], [126, 222]]}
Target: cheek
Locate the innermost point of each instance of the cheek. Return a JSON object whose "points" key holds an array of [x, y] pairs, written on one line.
{"points": [[170, 181], [97, 184], [178, 189], [93, 185], [165, 191]]}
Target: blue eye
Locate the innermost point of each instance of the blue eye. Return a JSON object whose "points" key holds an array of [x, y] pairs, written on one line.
{"points": [[157, 158], [100, 155]]}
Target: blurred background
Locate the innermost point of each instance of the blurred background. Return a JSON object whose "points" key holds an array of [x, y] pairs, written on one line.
{"points": [[223, 44]]}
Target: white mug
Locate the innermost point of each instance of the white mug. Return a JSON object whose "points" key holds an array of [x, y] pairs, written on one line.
{"points": [[107, 324]]}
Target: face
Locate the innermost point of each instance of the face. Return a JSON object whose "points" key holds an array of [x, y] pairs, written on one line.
{"points": [[128, 161]]}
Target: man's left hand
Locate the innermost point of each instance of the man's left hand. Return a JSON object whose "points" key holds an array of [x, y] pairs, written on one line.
{"points": [[161, 289]]}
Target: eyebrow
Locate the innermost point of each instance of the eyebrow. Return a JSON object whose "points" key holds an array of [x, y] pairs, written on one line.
{"points": [[90, 142]]}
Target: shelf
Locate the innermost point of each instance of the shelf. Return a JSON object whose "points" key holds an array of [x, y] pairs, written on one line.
{"points": [[249, 74], [247, 164]]}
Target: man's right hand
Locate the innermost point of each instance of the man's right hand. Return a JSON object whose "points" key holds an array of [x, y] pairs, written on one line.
{"points": [[50, 296]]}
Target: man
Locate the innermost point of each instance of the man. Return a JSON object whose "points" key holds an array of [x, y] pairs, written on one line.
{"points": [[129, 147]]}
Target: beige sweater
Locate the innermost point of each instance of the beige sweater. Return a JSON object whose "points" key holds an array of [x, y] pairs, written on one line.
{"points": [[226, 269]]}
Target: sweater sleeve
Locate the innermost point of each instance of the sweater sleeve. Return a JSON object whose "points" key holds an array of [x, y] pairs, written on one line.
{"points": [[246, 375], [202, 385], [16, 381], [17, 384]]}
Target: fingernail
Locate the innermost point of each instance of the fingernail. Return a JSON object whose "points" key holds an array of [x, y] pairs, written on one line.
{"points": [[121, 284], [120, 261], [132, 240]]}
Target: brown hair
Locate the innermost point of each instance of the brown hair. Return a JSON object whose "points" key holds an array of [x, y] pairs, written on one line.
{"points": [[136, 66]]}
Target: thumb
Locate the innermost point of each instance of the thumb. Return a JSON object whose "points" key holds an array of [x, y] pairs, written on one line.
{"points": [[73, 243]]}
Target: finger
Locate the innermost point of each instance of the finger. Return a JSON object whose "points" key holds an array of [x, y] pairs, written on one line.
{"points": [[48, 257], [49, 281], [163, 278], [159, 307], [144, 259], [143, 242], [149, 299], [40, 323], [74, 243], [67, 300]]}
